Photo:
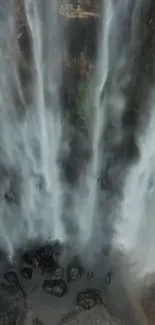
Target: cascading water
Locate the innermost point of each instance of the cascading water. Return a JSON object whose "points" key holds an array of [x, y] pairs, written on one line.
{"points": [[135, 228], [120, 45], [87, 196], [31, 143], [47, 66], [109, 105]]}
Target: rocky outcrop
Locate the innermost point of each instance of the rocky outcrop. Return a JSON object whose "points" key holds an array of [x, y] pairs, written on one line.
{"points": [[88, 7], [81, 19], [96, 316], [80, 56]]}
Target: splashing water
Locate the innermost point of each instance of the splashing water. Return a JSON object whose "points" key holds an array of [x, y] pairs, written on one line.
{"points": [[135, 228]]}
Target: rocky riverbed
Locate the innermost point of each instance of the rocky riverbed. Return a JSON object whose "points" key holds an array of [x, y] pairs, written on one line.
{"points": [[48, 286], [45, 287]]}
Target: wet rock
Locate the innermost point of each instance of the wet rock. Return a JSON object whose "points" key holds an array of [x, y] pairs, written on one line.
{"points": [[88, 299], [45, 253], [74, 271], [45, 268], [108, 278], [45, 257], [57, 288], [26, 273], [31, 259], [90, 275], [11, 278], [57, 273]]}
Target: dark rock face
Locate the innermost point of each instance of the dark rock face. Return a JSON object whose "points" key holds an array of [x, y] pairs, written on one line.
{"points": [[45, 258], [57, 288], [88, 298], [11, 278], [79, 61], [45, 253], [26, 273], [31, 259]]}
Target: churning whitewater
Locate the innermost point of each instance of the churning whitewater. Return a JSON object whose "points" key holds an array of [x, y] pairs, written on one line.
{"points": [[112, 203]]}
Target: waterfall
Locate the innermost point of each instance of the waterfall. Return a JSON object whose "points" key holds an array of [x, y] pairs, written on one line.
{"points": [[31, 135], [119, 209]]}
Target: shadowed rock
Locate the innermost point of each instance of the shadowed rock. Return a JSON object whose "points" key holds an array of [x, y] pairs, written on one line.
{"points": [[26, 273], [57, 288], [11, 278], [88, 298]]}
